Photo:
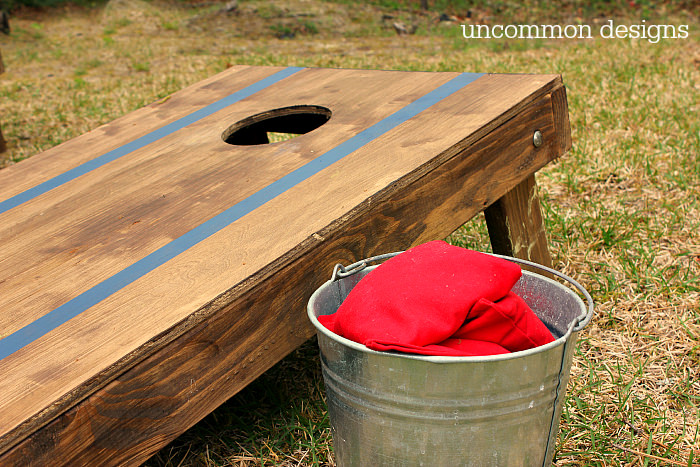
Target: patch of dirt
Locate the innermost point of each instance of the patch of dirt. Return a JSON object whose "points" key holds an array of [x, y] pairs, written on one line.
{"points": [[306, 18]]}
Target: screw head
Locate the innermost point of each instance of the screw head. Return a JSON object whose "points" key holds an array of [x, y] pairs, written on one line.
{"points": [[537, 139]]}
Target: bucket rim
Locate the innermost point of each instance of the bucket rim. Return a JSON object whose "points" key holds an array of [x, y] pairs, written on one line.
{"points": [[576, 325]]}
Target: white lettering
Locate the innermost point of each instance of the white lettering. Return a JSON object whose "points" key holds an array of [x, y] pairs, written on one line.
{"points": [[471, 31], [634, 31], [653, 33], [479, 29], [493, 31], [570, 31], [552, 29], [529, 28], [480, 26], [668, 27], [588, 34], [621, 31]]}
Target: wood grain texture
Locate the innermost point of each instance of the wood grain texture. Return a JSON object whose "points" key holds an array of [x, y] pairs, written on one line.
{"points": [[560, 111], [130, 373], [514, 221], [515, 224], [119, 204], [112, 231], [65, 156], [150, 404]]}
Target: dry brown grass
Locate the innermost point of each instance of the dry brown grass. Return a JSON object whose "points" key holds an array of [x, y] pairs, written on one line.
{"points": [[622, 208]]}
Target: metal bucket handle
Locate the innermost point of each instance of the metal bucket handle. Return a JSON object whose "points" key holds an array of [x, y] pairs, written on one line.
{"points": [[340, 271]]}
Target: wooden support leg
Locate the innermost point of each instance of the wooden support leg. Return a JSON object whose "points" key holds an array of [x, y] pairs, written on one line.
{"points": [[515, 224]]}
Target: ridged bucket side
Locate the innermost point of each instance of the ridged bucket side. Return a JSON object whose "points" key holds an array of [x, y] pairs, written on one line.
{"points": [[398, 409]]}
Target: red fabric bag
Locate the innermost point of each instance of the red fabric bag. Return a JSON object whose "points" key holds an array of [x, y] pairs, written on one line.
{"points": [[439, 299]]}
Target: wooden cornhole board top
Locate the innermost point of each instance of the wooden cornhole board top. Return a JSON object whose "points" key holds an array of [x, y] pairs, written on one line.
{"points": [[118, 243]]}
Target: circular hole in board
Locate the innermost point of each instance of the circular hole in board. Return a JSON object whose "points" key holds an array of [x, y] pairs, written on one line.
{"points": [[276, 125]]}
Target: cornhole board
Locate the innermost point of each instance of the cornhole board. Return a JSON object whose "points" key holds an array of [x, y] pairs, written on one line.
{"points": [[150, 269]]}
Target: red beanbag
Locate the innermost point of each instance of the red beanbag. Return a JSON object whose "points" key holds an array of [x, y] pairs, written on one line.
{"points": [[439, 299]]}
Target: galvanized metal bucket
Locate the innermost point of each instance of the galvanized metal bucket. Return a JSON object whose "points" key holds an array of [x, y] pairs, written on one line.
{"points": [[398, 409]]}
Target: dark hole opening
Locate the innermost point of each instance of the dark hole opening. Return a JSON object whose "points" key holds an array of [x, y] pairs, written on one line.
{"points": [[283, 123]]}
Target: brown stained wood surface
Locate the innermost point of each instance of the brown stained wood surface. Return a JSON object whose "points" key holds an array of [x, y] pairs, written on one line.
{"points": [[130, 373], [515, 221], [515, 224]]}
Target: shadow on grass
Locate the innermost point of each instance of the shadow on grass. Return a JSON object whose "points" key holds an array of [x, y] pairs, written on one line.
{"points": [[279, 419]]}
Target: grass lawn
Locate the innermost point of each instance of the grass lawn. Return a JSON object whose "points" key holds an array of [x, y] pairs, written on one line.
{"points": [[622, 208]]}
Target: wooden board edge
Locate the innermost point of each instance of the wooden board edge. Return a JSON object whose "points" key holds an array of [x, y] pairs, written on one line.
{"points": [[102, 424], [560, 110], [514, 221], [534, 100], [165, 338]]}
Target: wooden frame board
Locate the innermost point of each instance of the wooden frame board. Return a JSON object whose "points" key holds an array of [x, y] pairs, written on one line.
{"points": [[151, 270]]}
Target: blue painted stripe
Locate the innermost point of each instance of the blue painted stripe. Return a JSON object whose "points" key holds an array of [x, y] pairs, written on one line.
{"points": [[144, 140], [101, 291]]}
